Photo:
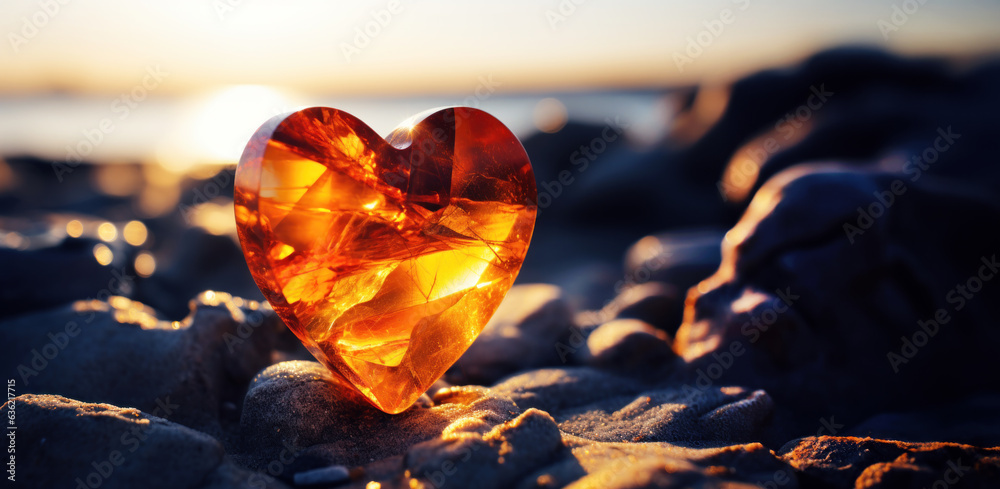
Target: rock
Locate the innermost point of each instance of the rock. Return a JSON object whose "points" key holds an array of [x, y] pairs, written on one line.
{"points": [[655, 303], [603, 407], [324, 476], [827, 319], [856, 77], [119, 351], [63, 443], [651, 464], [680, 259], [292, 407], [854, 299], [477, 455], [658, 271], [588, 286], [201, 260], [76, 192], [523, 334], [29, 285], [538, 426], [630, 347], [873, 463]]}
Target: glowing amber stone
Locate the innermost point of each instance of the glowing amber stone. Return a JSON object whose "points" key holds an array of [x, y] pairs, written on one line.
{"points": [[385, 257]]}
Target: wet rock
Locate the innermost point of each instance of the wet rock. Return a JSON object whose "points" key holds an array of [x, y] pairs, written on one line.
{"points": [[65, 443], [523, 334], [119, 351]]}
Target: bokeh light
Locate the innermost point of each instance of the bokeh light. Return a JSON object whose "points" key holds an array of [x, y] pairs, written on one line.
{"points": [[145, 264], [74, 228], [135, 233], [103, 254], [107, 232], [550, 115]]}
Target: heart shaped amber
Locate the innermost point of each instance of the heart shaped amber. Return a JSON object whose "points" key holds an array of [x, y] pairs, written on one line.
{"points": [[385, 257]]}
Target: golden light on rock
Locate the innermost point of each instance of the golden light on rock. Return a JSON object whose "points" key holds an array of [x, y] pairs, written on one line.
{"points": [[145, 264], [74, 228], [107, 232], [135, 233], [385, 257], [103, 254]]}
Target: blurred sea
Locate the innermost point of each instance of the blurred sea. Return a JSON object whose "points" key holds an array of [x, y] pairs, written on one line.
{"points": [[212, 128]]}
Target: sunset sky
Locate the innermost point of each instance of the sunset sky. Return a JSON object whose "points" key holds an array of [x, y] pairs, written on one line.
{"points": [[445, 45], [206, 73]]}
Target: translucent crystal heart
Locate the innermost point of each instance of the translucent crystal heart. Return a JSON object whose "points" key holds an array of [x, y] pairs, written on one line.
{"points": [[385, 257]]}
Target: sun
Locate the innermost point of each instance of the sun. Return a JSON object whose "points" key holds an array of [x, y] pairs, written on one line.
{"points": [[217, 126]]}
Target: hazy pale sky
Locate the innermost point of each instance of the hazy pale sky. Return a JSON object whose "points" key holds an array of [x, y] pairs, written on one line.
{"points": [[440, 46]]}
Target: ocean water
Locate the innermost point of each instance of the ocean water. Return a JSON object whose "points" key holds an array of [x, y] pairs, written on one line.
{"points": [[180, 132]]}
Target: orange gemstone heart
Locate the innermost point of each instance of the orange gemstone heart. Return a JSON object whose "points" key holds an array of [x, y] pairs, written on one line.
{"points": [[385, 257]]}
